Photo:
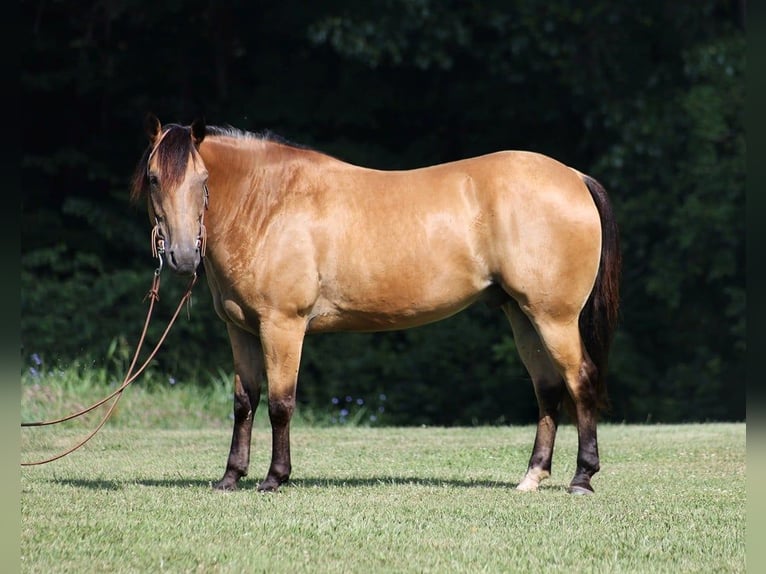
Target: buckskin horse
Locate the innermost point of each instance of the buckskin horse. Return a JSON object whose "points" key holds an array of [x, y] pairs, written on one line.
{"points": [[294, 241]]}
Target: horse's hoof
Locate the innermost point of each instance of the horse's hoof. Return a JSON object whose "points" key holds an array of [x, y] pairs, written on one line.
{"points": [[225, 485], [527, 485], [576, 489], [532, 479], [269, 485]]}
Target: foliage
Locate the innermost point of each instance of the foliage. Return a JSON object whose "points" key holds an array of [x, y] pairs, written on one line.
{"points": [[74, 309], [683, 237], [648, 101]]}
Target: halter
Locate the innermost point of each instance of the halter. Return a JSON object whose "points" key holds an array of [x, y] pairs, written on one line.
{"points": [[158, 245], [158, 241], [202, 238]]}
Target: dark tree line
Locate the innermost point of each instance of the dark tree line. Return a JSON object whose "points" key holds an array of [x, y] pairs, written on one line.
{"points": [[648, 98]]}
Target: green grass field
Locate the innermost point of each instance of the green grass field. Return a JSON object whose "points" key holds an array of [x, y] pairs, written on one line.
{"points": [[137, 498]]}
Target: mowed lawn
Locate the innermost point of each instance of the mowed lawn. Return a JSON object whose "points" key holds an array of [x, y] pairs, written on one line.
{"points": [[668, 499]]}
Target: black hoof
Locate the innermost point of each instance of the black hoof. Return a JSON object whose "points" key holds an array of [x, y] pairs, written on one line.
{"points": [[225, 485], [271, 484]]}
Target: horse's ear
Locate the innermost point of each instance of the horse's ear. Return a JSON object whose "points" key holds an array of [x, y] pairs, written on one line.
{"points": [[153, 127], [198, 131]]}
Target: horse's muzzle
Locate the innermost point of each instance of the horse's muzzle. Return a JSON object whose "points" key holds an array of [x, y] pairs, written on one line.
{"points": [[183, 260]]}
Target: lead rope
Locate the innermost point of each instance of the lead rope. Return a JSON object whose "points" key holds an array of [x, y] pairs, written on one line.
{"points": [[158, 250]]}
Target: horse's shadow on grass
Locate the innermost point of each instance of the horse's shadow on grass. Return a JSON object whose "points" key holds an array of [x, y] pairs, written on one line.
{"points": [[308, 482], [375, 481]]}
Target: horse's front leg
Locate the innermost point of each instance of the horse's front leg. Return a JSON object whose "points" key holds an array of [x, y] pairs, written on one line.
{"points": [[282, 345], [248, 373]]}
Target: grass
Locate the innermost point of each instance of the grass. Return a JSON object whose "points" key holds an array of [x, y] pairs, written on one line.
{"points": [[670, 498]]}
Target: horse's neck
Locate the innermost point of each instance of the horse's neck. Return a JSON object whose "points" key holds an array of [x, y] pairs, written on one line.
{"points": [[248, 178], [250, 159]]}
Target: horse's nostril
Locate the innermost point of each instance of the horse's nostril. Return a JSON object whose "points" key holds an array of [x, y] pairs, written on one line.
{"points": [[173, 258]]}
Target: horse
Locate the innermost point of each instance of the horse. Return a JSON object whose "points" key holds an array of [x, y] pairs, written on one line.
{"points": [[294, 241]]}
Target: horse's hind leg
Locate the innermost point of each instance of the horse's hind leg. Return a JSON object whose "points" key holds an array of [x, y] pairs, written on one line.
{"points": [[561, 336], [248, 373], [549, 390]]}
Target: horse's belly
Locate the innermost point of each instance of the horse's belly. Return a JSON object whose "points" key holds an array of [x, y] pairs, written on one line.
{"points": [[366, 321], [386, 309]]}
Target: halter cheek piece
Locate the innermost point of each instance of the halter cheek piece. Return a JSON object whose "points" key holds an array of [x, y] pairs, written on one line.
{"points": [[202, 239], [158, 245]]}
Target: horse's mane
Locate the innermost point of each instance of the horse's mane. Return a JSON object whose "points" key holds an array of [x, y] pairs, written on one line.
{"points": [[263, 135], [176, 146]]}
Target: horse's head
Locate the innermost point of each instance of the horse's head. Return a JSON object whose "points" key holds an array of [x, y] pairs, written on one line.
{"points": [[173, 177]]}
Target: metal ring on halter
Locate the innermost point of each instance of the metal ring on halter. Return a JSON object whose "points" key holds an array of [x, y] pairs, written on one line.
{"points": [[158, 246], [159, 256]]}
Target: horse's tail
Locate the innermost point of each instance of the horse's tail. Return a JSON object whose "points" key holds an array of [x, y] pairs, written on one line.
{"points": [[598, 318]]}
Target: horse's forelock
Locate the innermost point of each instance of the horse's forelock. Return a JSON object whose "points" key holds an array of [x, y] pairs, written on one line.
{"points": [[172, 155]]}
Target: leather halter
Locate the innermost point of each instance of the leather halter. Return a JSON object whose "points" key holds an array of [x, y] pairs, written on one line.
{"points": [[157, 239]]}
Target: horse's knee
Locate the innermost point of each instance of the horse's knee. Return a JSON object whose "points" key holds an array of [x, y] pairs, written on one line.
{"points": [[281, 410]]}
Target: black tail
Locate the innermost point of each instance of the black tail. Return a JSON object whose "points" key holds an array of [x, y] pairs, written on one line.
{"points": [[598, 319]]}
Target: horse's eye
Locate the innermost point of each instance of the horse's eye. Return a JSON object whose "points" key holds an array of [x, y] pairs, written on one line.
{"points": [[153, 180]]}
